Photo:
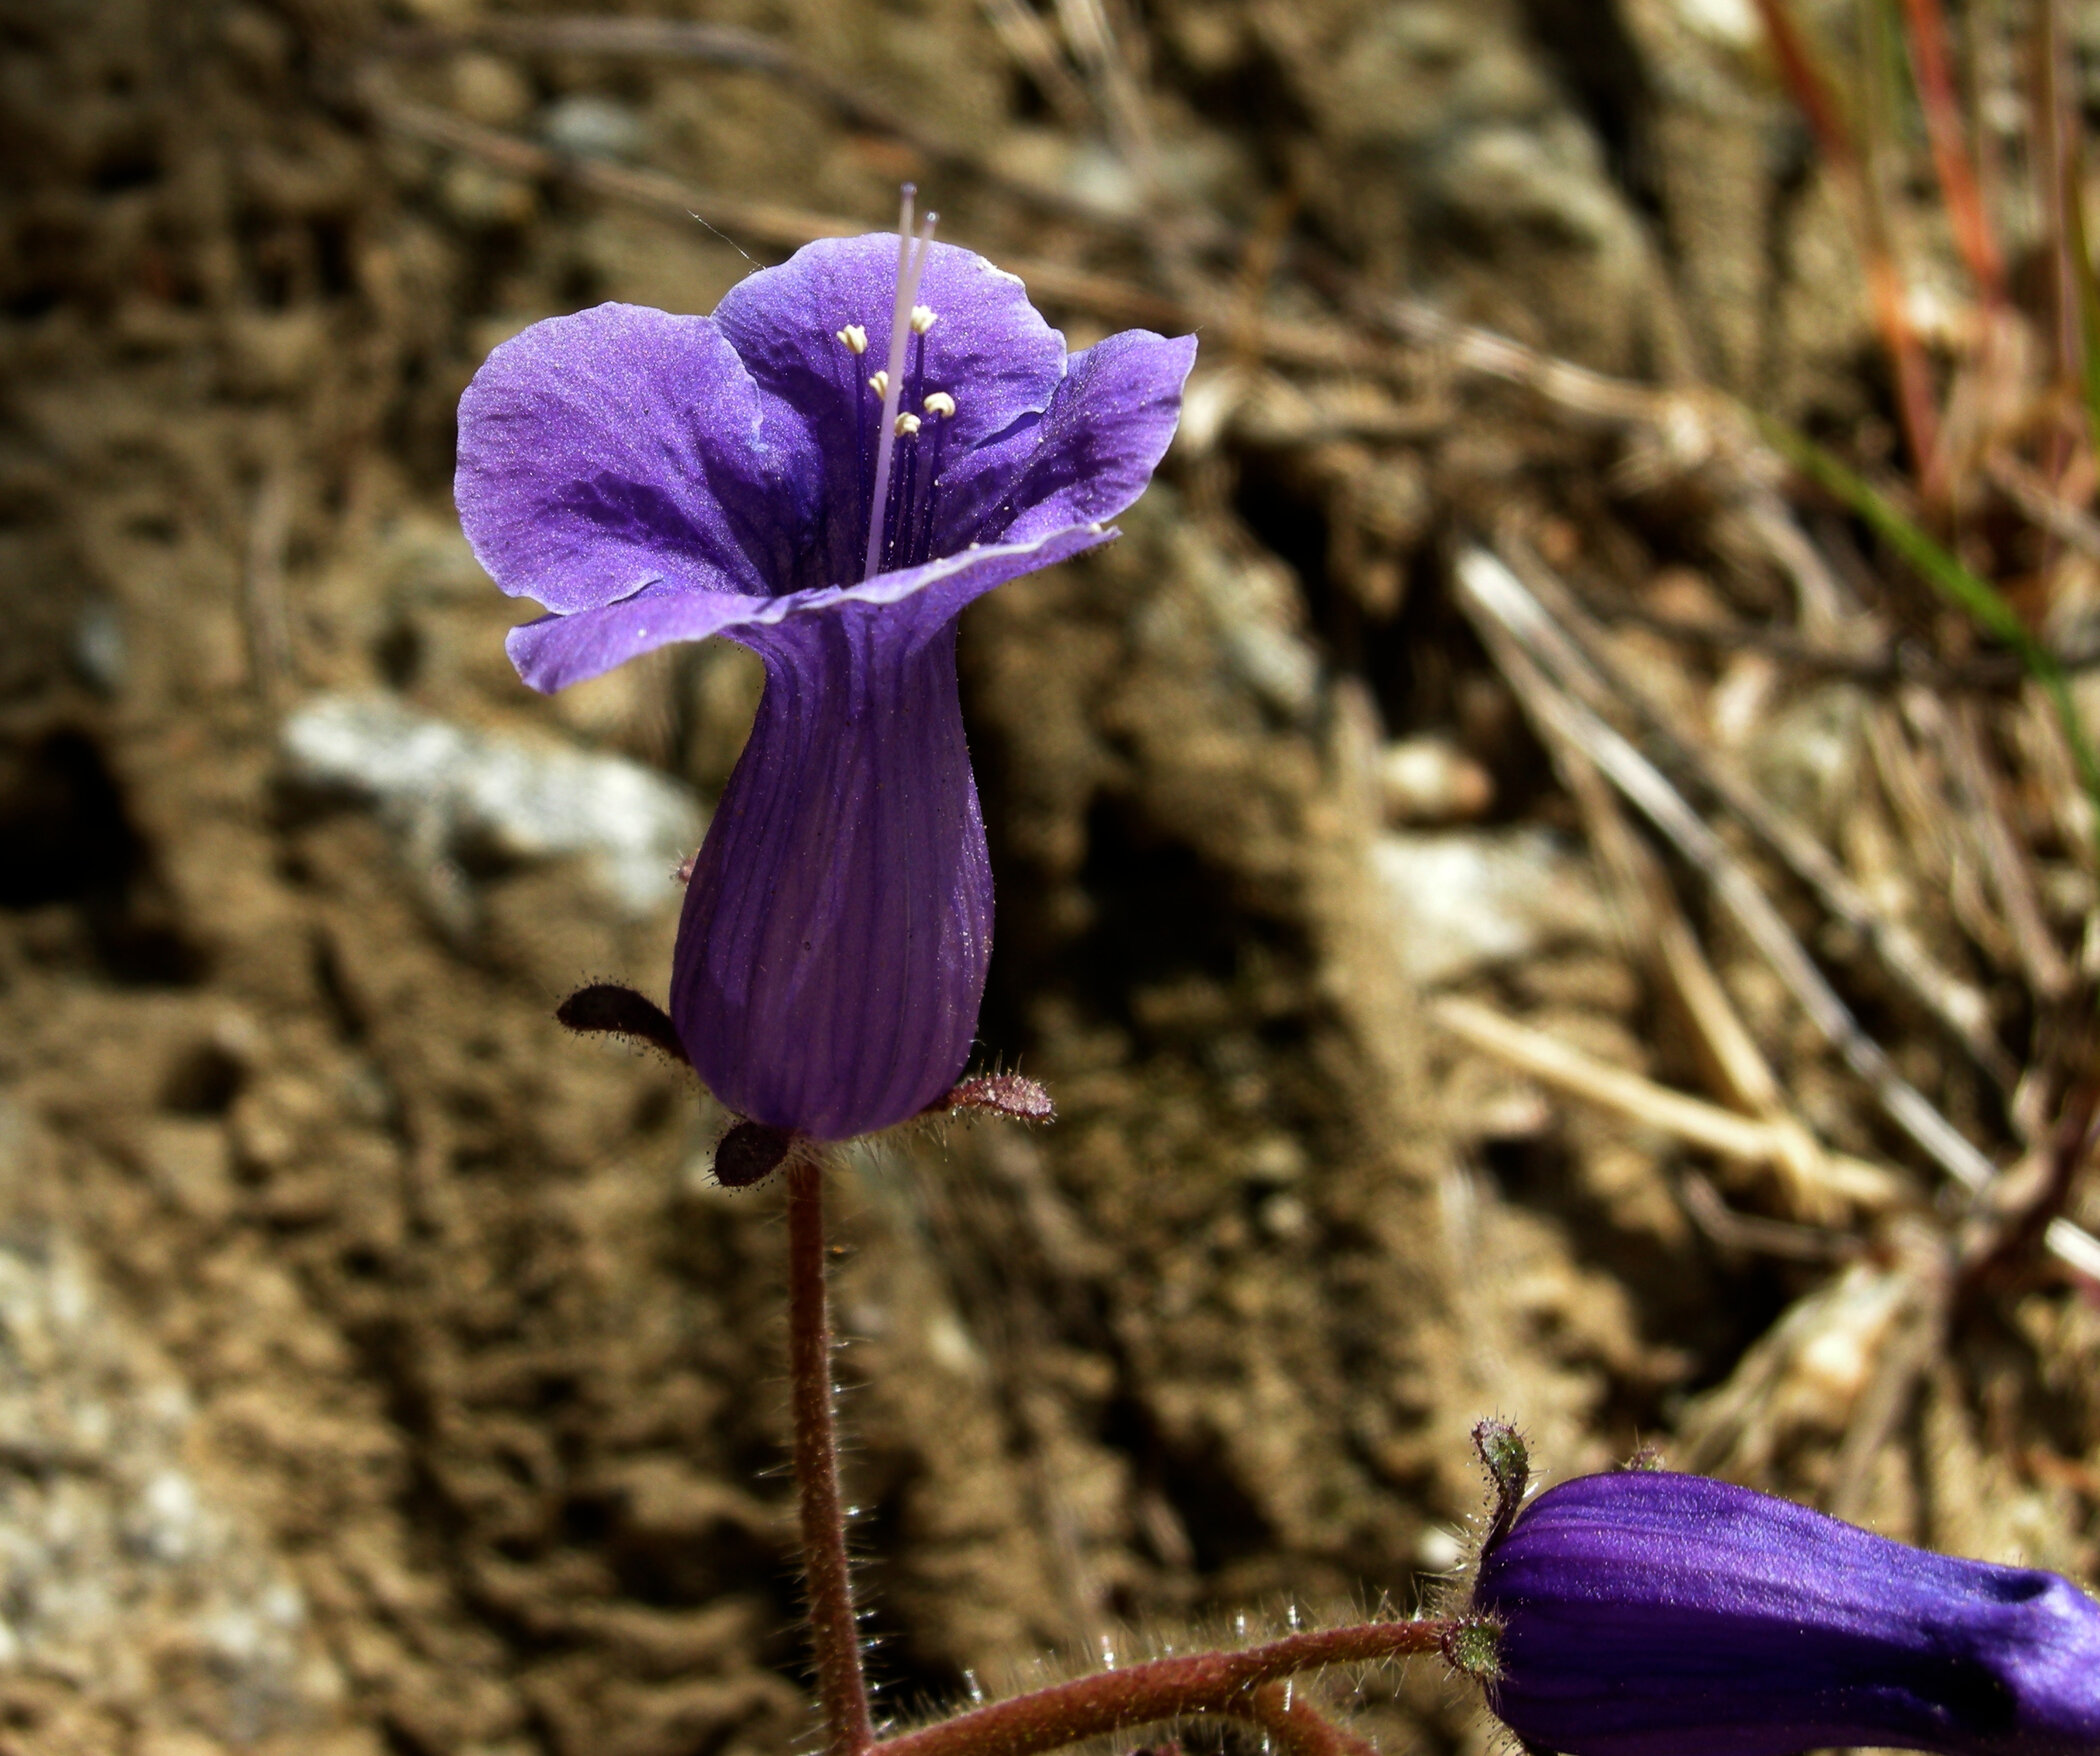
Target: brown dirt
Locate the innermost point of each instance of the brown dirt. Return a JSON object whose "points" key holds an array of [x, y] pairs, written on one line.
{"points": [[379, 1369]]}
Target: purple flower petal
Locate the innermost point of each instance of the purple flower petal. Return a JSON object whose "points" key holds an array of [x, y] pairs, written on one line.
{"points": [[556, 651], [1649, 1614], [988, 349], [833, 949], [620, 446], [1093, 451]]}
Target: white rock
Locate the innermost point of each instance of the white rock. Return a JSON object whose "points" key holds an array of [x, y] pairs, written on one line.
{"points": [[1431, 780], [1465, 900], [591, 127], [444, 786]]}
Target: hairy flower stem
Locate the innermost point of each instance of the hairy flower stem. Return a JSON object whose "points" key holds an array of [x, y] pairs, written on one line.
{"points": [[841, 1689], [1242, 1685]]}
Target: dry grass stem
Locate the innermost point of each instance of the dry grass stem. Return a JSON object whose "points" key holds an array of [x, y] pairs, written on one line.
{"points": [[1960, 1007], [1755, 1235], [1500, 607], [1748, 1141], [2005, 859], [1311, 346], [1658, 936], [1023, 35]]}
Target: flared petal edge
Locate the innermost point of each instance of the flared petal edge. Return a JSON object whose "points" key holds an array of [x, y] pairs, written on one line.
{"points": [[1091, 454], [618, 446], [558, 650]]}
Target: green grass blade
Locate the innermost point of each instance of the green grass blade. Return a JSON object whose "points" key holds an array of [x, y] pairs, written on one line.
{"points": [[1967, 590], [2083, 279]]}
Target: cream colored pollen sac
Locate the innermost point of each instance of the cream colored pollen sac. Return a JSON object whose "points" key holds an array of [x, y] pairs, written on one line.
{"points": [[854, 339], [923, 318], [940, 405], [907, 425], [880, 383]]}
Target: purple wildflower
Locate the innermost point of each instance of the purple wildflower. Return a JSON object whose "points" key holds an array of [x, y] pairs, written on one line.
{"points": [[652, 478], [1650, 1614]]}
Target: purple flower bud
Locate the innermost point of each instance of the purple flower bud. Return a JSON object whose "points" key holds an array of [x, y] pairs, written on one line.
{"points": [[1650, 1614], [652, 478]]}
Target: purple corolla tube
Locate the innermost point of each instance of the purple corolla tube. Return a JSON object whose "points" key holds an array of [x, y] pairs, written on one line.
{"points": [[1652, 1614]]}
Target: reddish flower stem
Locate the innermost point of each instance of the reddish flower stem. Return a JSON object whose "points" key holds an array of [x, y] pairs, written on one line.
{"points": [[1244, 1685], [1797, 66], [841, 1689], [1841, 151], [1950, 153]]}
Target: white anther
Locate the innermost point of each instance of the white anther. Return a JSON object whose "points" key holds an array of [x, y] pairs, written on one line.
{"points": [[880, 384], [940, 405], [923, 318], [854, 338], [907, 425]]}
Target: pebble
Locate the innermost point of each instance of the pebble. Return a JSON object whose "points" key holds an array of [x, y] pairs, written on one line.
{"points": [[1465, 900], [1431, 780], [444, 787]]}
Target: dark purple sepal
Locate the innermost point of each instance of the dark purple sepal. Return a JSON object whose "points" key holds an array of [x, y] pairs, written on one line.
{"points": [[1651, 1614], [1506, 1457], [609, 1009], [751, 1152]]}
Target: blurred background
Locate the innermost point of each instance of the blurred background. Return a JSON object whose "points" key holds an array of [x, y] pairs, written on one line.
{"points": [[1551, 871]]}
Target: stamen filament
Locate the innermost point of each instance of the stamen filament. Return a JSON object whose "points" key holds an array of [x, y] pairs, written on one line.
{"points": [[911, 263], [901, 541]]}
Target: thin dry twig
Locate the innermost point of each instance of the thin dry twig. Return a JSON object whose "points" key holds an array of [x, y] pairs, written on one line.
{"points": [[1916, 1337], [764, 222], [1822, 604], [1574, 390], [1908, 742], [1026, 37], [1744, 1139], [2034, 497], [2030, 1196], [1495, 600], [2073, 1245], [1581, 657], [1508, 620], [2046, 755], [1882, 1407], [2004, 860], [1118, 92], [1738, 1428], [1895, 662], [1660, 936], [1753, 1233]]}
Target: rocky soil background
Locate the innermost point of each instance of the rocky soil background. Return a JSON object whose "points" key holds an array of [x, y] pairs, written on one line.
{"points": [[380, 1369]]}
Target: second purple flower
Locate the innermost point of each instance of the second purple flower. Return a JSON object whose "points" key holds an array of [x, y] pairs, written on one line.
{"points": [[1652, 1614], [652, 478]]}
